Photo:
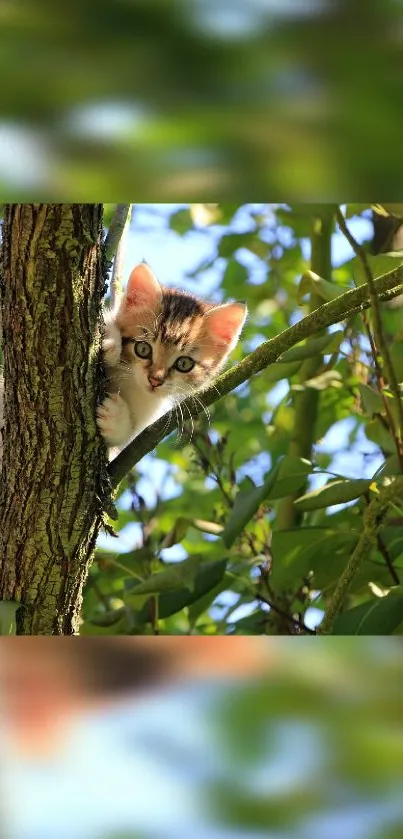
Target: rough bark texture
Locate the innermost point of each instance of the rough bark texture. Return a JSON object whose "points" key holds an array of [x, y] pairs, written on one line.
{"points": [[50, 486]]}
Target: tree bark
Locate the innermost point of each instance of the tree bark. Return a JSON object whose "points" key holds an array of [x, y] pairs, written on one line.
{"points": [[53, 473]]}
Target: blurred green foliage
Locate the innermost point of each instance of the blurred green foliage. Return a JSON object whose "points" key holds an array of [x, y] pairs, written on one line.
{"points": [[319, 739], [313, 749], [259, 521], [162, 99]]}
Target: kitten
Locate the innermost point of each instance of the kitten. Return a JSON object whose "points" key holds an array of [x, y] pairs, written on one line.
{"points": [[160, 346]]}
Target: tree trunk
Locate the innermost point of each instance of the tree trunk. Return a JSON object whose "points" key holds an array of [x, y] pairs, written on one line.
{"points": [[52, 479]]}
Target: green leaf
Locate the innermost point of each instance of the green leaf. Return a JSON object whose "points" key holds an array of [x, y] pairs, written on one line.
{"points": [[297, 551], [330, 378], [211, 527], [182, 525], [178, 574], [372, 400], [380, 435], [231, 242], [288, 486], [313, 347], [381, 264], [138, 560], [8, 611], [290, 465], [379, 616], [247, 502], [293, 472], [396, 357], [311, 283], [336, 492], [390, 467], [281, 370], [181, 221], [117, 624], [395, 210], [201, 605], [253, 624], [290, 545], [288, 476], [235, 277], [208, 576], [177, 533]]}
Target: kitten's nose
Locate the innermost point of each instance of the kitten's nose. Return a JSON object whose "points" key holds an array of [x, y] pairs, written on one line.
{"points": [[154, 381]]}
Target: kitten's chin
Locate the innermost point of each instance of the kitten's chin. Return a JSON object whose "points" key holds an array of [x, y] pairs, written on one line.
{"points": [[156, 391]]}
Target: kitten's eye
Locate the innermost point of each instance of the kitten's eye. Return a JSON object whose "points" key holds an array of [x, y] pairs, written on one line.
{"points": [[142, 349], [184, 364]]}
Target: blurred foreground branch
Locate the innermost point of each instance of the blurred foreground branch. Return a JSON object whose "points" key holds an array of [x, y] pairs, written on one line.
{"points": [[388, 286]]}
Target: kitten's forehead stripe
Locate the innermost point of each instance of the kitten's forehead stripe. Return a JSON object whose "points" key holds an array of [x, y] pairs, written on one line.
{"points": [[178, 306], [180, 311]]}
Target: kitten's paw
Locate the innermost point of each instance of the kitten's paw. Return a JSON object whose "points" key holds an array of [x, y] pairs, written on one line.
{"points": [[113, 420]]}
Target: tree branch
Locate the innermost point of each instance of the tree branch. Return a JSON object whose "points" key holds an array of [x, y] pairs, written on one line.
{"points": [[115, 231], [270, 351], [118, 262], [388, 559], [373, 520]]}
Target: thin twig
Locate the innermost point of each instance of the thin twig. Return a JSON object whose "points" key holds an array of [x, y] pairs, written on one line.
{"points": [[373, 520], [382, 548], [388, 559], [379, 336], [270, 351], [296, 623], [381, 385]]}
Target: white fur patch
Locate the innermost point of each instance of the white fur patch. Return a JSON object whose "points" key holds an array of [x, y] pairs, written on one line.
{"points": [[112, 341]]}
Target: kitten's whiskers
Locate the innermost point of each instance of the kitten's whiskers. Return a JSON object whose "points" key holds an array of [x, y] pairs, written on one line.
{"points": [[203, 406], [191, 394], [191, 420], [167, 422]]}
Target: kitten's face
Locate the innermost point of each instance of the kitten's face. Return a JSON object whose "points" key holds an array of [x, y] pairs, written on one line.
{"points": [[174, 343]]}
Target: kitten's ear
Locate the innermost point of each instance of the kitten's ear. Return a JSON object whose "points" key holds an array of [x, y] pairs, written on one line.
{"points": [[224, 324], [143, 289]]}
